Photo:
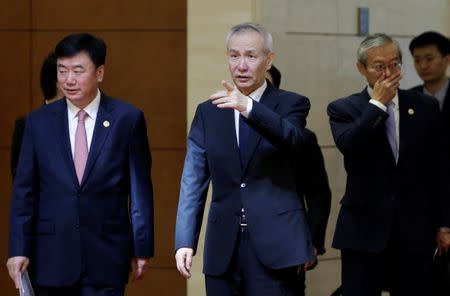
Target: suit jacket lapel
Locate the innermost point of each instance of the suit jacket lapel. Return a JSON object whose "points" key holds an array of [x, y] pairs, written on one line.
{"points": [[62, 132], [103, 125]]}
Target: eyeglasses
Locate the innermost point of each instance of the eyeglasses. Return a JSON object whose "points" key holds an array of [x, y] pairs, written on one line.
{"points": [[393, 67]]}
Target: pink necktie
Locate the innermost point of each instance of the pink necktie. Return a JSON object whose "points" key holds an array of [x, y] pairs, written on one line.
{"points": [[81, 147]]}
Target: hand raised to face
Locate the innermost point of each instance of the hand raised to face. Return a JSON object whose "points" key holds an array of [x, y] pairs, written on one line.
{"points": [[386, 87]]}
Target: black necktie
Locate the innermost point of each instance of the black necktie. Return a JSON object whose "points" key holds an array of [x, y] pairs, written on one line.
{"points": [[244, 131]]}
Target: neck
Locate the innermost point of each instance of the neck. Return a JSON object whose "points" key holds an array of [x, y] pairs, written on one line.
{"points": [[246, 92], [81, 104], [434, 86]]}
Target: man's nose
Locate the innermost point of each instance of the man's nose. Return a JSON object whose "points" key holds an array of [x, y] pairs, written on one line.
{"points": [[387, 71], [242, 66], [70, 77]]}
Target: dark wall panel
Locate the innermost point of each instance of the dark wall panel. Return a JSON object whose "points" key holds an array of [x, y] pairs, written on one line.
{"points": [[166, 175], [15, 14], [15, 81], [5, 194], [6, 286], [109, 15]]}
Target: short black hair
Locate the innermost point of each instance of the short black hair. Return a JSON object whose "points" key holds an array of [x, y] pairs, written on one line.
{"points": [[276, 76], [82, 42], [431, 38], [48, 77]]}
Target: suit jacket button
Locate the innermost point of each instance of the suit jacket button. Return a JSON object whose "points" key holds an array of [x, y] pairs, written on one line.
{"points": [[243, 185]]}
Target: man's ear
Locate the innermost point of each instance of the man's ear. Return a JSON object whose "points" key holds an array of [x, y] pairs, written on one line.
{"points": [[447, 59], [100, 72], [270, 58]]}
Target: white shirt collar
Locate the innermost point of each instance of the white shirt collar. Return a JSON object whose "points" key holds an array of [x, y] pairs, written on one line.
{"points": [[257, 94]]}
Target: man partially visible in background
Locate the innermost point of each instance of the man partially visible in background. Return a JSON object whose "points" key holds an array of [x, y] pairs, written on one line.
{"points": [[313, 185], [431, 54], [50, 93]]}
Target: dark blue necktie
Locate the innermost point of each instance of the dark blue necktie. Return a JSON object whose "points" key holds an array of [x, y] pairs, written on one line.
{"points": [[244, 131]]}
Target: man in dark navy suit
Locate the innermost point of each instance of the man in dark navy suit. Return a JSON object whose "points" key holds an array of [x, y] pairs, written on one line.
{"points": [[397, 200], [244, 141], [82, 208]]}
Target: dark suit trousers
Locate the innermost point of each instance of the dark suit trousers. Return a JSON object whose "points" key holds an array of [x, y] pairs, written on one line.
{"points": [[395, 270], [81, 288], [247, 276]]}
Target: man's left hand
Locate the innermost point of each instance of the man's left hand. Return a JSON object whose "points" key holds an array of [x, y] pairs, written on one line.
{"points": [[310, 264], [313, 263], [138, 268], [230, 98]]}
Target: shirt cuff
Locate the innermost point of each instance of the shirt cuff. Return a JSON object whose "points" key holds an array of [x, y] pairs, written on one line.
{"points": [[378, 104], [249, 107]]}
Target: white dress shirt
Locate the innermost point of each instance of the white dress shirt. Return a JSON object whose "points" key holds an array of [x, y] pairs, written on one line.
{"points": [[89, 122], [396, 115], [256, 95]]}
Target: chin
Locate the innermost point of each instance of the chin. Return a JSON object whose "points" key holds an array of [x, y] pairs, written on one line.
{"points": [[245, 85], [73, 99]]}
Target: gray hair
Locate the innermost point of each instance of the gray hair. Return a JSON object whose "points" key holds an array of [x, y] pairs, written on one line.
{"points": [[245, 27], [374, 40]]}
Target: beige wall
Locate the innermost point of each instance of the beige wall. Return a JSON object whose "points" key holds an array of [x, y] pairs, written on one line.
{"points": [[315, 43]]}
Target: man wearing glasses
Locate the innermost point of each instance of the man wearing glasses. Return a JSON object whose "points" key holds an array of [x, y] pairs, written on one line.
{"points": [[395, 200]]}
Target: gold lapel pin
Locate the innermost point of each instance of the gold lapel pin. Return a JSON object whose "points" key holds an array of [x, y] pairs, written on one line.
{"points": [[106, 123], [410, 111]]}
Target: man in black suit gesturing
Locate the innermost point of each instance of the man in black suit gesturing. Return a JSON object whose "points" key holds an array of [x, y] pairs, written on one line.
{"points": [[244, 140]]}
